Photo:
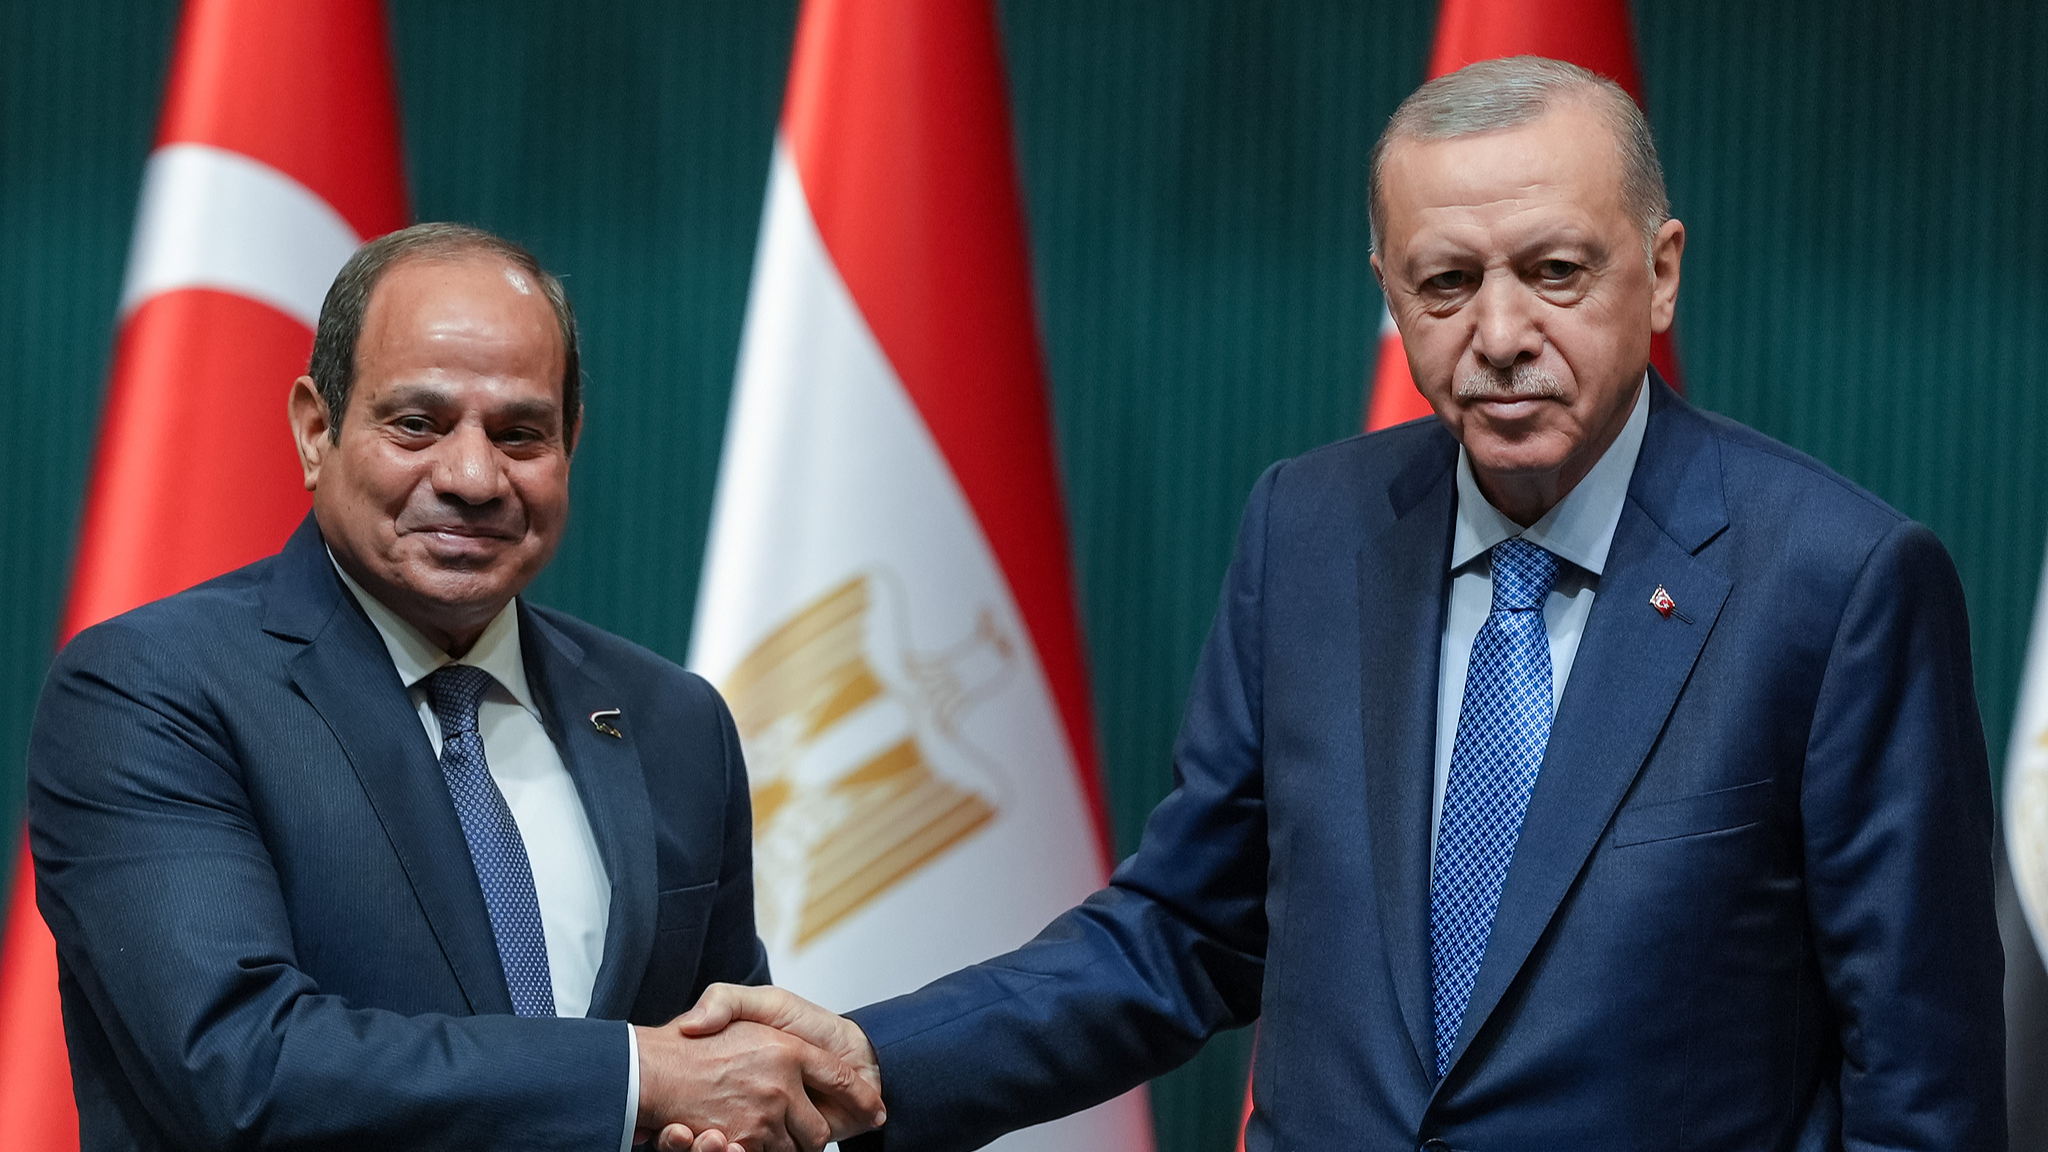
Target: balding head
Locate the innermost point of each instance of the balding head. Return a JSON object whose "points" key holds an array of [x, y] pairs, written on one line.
{"points": [[343, 313]]}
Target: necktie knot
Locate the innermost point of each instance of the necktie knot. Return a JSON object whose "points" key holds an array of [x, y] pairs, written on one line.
{"points": [[1523, 574], [454, 691]]}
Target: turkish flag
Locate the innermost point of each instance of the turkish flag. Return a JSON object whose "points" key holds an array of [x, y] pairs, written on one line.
{"points": [[277, 155], [1594, 34]]}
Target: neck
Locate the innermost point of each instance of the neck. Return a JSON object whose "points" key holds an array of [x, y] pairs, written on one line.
{"points": [[452, 632], [1525, 499], [455, 644]]}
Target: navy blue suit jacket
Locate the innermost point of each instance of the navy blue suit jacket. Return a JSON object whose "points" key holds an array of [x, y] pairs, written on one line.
{"points": [[1750, 907], [269, 932]]}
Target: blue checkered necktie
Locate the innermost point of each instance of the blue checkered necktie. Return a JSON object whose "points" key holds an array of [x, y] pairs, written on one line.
{"points": [[1503, 726], [495, 848]]}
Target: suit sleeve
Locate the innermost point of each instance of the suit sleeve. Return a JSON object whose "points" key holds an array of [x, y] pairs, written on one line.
{"points": [[733, 953], [1131, 983], [1896, 810], [178, 960]]}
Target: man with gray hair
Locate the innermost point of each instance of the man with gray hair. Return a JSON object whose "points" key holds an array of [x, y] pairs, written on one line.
{"points": [[1573, 770]]}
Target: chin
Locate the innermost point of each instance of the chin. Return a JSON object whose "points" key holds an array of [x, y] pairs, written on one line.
{"points": [[461, 586], [1530, 455]]}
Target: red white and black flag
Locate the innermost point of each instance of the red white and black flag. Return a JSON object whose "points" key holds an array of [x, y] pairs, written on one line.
{"points": [[887, 601]]}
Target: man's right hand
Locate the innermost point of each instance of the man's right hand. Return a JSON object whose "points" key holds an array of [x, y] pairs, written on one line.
{"points": [[724, 1007], [748, 1082]]}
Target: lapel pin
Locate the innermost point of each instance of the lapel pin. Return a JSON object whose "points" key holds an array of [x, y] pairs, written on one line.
{"points": [[603, 717], [1666, 606]]}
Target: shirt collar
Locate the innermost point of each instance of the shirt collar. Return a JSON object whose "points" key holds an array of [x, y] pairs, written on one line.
{"points": [[1581, 527], [497, 651]]}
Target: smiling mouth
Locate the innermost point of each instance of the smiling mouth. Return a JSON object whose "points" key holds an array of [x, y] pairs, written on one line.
{"points": [[462, 535]]}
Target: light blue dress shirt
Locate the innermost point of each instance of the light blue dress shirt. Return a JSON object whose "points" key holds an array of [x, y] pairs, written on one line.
{"points": [[1577, 531]]}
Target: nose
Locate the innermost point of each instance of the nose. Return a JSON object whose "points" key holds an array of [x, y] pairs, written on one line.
{"points": [[467, 466], [1505, 331]]}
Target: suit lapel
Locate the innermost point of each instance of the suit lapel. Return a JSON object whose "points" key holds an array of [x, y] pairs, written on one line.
{"points": [[1402, 575], [346, 674], [1631, 666], [610, 783]]}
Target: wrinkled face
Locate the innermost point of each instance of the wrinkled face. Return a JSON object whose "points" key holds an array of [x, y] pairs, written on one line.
{"points": [[1518, 281], [449, 488]]}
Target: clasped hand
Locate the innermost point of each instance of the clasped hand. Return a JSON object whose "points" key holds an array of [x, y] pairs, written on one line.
{"points": [[756, 1070]]}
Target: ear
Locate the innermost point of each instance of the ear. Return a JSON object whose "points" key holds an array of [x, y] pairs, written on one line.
{"points": [[1665, 251], [312, 430], [1379, 273], [576, 436]]}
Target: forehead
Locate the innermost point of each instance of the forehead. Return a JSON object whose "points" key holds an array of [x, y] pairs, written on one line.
{"points": [[474, 315], [1562, 170]]}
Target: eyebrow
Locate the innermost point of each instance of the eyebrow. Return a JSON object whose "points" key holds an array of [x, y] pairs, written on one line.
{"points": [[1590, 246], [1573, 241], [414, 396], [426, 396], [534, 411]]}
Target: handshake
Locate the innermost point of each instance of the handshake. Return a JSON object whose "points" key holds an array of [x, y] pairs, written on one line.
{"points": [[755, 1070]]}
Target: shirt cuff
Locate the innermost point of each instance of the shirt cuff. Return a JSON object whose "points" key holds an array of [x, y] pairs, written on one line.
{"points": [[632, 1088]]}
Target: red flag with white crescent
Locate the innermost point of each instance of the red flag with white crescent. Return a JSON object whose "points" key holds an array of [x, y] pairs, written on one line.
{"points": [[887, 602], [1594, 34], [277, 154]]}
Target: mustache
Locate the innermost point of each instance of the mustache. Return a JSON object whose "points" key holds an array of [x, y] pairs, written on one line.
{"points": [[1518, 382], [491, 521]]}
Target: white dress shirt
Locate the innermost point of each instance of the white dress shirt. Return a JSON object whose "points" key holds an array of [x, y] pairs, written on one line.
{"points": [[569, 878], [1578, 531]]}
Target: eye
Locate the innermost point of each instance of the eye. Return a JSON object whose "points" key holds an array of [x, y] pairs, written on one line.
{"points": [[1556, 271], [414, 425], [1446, 281]]}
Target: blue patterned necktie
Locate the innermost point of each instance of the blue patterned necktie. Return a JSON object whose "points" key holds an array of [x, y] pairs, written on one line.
{"points": [[495, 848], [1503, 727]]}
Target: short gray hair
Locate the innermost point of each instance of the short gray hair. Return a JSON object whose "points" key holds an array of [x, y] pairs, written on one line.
{"points": [[1491, 95], [333, 366]]}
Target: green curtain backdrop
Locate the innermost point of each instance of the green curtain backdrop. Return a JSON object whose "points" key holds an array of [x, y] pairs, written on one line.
{"points": [[1866, 278]]}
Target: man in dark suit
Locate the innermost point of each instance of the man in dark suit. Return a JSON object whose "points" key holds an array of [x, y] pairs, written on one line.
{"points": [[1575, 770], [353, 847]]}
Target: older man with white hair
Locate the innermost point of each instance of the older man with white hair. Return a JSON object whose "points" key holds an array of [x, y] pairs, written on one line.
{"points": [[1574, 770]]}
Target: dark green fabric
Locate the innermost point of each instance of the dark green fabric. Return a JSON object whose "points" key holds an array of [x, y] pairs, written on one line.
{"points": [[1867, 278]]}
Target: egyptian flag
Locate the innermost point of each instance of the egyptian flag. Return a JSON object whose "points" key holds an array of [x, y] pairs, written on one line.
{"points": [[2023, 895], [1594, 34], [278, 154], [887, 601]]}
